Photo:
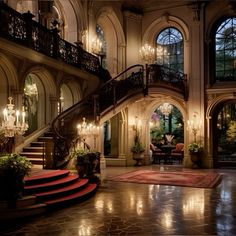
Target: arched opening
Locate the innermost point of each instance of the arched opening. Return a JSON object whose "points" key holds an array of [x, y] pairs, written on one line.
{"points": [[111, 136], [224, 133], [66, 97], [34, 102], [115, 40], [167, 135]]}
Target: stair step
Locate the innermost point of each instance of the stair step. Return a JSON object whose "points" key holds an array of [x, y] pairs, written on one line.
{"points": [[9, 214], [42, 138], [32, 154], [33, 149], [62, 191], [45, 176], [81, 195], [49, 185], [22, 202], [36, 161], [48, 134], [37, 144]]}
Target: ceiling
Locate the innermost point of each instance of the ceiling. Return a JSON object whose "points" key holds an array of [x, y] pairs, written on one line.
{"points": [[140, 6]]}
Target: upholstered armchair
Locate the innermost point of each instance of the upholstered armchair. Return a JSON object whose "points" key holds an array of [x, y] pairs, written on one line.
{"points": [[178, 152]]}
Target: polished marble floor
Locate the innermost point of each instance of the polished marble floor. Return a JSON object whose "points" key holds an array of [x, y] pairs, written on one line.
{"points": [[141, 209]]}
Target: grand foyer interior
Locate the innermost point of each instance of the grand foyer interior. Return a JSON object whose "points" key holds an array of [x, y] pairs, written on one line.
{"points": [[87, 63]]}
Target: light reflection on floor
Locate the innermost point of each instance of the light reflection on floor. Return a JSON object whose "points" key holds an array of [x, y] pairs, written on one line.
{"points": [[141, 209]]}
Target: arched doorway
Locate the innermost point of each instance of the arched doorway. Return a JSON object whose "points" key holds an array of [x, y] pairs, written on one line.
{"points": [[224, 133], [167, 133], [34, 102], [66, 97]]}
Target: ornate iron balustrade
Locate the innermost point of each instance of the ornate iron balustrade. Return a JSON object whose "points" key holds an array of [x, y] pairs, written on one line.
{"points": [[21, 29], [167, 77]]}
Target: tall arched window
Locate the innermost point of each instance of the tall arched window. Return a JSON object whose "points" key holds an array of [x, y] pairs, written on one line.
{"points": [[103, 52], [169, 49], [225, 51]]}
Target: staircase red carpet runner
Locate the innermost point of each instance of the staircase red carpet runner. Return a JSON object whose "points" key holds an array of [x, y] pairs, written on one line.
{"points": [[57, 187], [46, 189]]}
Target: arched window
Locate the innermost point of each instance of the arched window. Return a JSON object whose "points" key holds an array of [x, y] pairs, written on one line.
{"points": [[169, 49], [103, 50], [225, 51]]}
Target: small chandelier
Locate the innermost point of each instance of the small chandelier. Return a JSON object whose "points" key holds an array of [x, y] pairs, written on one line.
{"points": [[85, 130], [165, 109], [147, 53], [13, 121]]}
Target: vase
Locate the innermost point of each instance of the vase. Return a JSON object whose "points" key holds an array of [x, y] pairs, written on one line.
{"points": [[196, 159], [12, 186], [82, 170], [138, 157]]}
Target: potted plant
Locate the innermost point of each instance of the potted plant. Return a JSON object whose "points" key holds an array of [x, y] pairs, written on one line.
{"points": [[87, 163], [137, 149], [195, 149], [13, 169]]}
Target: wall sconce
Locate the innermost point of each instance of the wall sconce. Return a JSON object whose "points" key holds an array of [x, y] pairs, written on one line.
{"points": [[96, 46], [13, 121], [137, 124], [194, 126]]}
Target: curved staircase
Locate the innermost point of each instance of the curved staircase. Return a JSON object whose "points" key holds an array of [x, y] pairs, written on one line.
{"points": [[48, 189]]}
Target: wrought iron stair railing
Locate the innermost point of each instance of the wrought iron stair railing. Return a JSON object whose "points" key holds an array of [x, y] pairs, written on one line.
{"points": [[103, 100]]}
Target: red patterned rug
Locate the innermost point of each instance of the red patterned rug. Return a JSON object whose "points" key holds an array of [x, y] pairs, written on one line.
{"points": [[186, 179]]}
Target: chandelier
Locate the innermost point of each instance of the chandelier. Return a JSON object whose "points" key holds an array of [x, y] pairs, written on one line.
{"points": [[13, 121], [85, 130], [147, 53], [165, 109]]}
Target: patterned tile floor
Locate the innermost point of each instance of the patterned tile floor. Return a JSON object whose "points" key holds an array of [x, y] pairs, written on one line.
{"points": [[141, 209]]}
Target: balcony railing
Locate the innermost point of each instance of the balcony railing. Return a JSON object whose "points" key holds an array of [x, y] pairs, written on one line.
{"points": [[162, 76], [21, 29]]}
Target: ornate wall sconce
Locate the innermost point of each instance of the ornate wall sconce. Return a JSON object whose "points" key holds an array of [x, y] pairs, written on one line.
{"points": [[194, 126], [137, 124]]}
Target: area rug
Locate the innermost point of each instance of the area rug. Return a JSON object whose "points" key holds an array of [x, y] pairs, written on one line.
{"points": [[185, 179]]}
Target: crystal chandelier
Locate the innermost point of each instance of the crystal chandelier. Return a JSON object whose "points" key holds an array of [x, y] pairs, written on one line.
{"points": [[165, 109], [85, 130], [13, 121], [147, 53]]}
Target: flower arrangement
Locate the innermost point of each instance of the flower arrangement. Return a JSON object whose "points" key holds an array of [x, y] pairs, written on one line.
{"points": [[169, 138], [195, 147], [15, 164]]}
